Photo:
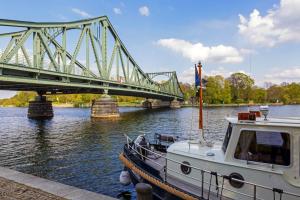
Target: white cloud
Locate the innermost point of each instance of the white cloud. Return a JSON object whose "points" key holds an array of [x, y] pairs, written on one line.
{"points": [[197, 51], [280, 24], [144, 11], [290, 74], [117, 11], [188, 76], [81, 13], [223, 72]]}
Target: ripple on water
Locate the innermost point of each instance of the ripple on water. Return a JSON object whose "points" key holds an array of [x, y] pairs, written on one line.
{"points": [[73, 149]]}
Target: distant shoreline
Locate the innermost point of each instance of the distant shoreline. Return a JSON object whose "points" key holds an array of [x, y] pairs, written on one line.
{"points": [[238, 105], [139, 105], [73, 106]]}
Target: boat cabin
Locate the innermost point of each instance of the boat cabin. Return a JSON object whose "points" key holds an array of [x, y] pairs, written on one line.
{"points": [[258, 159], [257, 150], [271, 144]]}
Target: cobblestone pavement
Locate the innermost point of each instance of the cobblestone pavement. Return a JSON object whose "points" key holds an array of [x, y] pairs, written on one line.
{"points": [[10, 190]]}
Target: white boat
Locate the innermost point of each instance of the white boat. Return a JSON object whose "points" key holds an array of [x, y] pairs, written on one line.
{"points": [[258, 159]]}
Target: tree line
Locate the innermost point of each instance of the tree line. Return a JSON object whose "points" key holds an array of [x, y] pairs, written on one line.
{"points": [[21, 99], [238, 88]]}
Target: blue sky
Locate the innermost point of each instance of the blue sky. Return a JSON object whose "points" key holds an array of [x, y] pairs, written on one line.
{"points": [[254, 36]]}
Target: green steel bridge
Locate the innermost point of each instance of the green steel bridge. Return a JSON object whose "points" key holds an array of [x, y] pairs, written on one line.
{"points": [[85, 56]]}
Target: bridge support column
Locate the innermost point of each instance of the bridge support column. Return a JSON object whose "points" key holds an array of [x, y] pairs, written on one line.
{"points": [[175, 104], [40, 108], [155, 103], [147, 104], [105, 107]]}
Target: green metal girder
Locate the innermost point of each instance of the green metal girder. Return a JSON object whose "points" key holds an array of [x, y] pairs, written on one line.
{"points": [[45, 42], [73, 59], [95, 54], [104, 47]]}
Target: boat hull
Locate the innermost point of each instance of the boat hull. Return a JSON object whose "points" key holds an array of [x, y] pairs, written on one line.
{"points": [[158, 193]]}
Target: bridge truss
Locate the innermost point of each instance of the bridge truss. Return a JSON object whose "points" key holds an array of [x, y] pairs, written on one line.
{"points": [[84, 56]]}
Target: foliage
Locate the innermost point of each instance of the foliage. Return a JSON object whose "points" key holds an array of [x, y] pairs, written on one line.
{"points": [[241, 85], [188, 90], [21, 99], [258, 95], [275, 94], [217, 90], [238, 88]]}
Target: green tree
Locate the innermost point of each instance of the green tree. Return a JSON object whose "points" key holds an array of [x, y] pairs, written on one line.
{"points": [[217, 90], [258, 95], [188, 90], [275, 94], [241, 85], [293, 91], [226, 94], [21, 99]]}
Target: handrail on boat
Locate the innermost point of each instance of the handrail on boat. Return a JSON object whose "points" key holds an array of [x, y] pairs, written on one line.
{"points": [[255, 186]]}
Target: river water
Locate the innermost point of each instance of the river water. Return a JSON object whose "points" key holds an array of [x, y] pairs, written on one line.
{"points": [[76, 150]]}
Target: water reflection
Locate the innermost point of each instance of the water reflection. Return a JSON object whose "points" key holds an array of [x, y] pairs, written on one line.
{"points": [[74, 149]]}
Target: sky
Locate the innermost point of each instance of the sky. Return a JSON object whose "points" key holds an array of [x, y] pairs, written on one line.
{"points": [[258, 37]]}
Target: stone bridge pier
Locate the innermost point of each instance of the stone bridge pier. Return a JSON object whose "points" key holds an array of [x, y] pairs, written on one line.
{"points": [[105, 107], [156, 103], [40, 108]]}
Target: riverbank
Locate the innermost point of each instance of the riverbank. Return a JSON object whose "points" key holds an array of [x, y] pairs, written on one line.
{"points": [[234, 105], [17, 185], [125, 104], [120, 104]]}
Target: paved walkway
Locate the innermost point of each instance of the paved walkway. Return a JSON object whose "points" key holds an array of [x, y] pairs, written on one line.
{"points": [[19, 186]]}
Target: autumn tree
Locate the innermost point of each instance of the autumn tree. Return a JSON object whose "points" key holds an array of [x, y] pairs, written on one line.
{"points": [[188, 90]]}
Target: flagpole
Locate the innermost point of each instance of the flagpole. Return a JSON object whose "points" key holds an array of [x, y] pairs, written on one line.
{"points": [[200, 97]]}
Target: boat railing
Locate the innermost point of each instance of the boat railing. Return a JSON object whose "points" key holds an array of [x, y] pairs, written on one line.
{"points": [[219, 188]]}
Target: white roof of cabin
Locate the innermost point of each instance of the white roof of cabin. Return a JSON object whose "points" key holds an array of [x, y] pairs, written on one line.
{"points": [[194, 149], [283, 122]]}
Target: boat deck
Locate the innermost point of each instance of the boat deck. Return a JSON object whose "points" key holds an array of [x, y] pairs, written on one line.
{"points": [[159, 164]]}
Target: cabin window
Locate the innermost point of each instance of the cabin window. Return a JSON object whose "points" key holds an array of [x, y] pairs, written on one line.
{"points": [[264, 146], [227, 137]]}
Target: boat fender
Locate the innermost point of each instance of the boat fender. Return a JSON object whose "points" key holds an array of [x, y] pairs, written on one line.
{"points": [[125, 178]]}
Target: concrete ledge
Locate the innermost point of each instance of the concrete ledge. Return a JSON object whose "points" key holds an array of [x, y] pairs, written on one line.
{"points": [[52, 187]]}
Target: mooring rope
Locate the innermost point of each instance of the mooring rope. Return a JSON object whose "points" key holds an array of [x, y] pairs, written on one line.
{"points": [[155, 181]]}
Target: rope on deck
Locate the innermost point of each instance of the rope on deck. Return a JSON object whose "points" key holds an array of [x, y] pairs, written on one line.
{"points": [[155, 181]]}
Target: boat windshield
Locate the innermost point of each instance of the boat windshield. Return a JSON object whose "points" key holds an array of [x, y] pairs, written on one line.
{"points": [[264, 146], [227, 137]]}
